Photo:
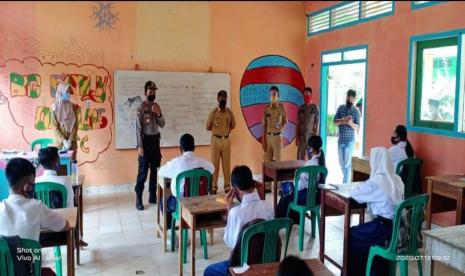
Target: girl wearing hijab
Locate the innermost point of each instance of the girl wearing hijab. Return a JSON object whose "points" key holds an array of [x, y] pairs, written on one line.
{"points": [[382, 192], [64, 119], [401, 149]]}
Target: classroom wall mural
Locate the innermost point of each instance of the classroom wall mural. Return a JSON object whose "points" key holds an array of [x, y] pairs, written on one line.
{"points": [[262, 73], [28, 89]]}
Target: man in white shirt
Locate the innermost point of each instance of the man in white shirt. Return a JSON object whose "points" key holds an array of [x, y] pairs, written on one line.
{"points": [[49, 158], [187, 161], [251, 207], [20, 214]]}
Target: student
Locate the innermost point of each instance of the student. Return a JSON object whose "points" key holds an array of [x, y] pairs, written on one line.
{"points": [[221, 122], [308, 123], [347, 118], [64, 119], [20, 214], [316, 158], [49, 158], [382, 192], [251, 207], [293, 266], [401, 149]]}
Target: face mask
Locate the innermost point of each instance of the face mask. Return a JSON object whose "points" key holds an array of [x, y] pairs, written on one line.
{"points": [[349, 104], [307, 99], [151, 98], [31, 193], [66, 97], [394, 140], [274, 99], [222, 103]]}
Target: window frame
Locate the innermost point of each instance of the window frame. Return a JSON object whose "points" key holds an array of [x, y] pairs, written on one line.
{"points": [[415, 6]]}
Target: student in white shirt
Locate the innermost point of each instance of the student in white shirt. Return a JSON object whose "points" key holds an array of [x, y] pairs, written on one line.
{"points": [[316, 157], [49, 158], [187, 161], [20, 214], [382, 192], [401, 149], [251, 207]]}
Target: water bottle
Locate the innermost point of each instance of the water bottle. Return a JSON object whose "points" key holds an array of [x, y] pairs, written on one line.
{"points": [[74, 173]]}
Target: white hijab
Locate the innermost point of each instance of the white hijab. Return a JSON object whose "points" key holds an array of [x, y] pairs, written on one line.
{"points": [[63, 110], [384, 176]]}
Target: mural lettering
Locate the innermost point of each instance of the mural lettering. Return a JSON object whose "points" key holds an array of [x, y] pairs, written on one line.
{"points": [[25, 85]]}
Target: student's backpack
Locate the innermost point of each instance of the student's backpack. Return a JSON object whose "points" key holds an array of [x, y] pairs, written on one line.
{"points": [[22, 261]]}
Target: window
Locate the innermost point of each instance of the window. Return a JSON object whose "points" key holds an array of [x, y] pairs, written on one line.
{"points": [[436, 100], [421, 4], [346, 55], [347, 13]]}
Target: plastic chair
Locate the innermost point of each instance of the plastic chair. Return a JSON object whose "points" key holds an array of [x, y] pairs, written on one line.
{"points": [[4, 187], [42, 193], [6, 258], [270, 229], [416, 205], [42, 142], [413, 165], [313, 176], [194, 177]]}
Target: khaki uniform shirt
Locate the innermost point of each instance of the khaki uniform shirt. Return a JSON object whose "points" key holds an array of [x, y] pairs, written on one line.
{"points": [[309, 117], [147, 122], [274, 118], [221, 122]]}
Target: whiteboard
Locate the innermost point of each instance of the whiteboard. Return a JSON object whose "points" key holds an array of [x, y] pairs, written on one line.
{"points": [[185, 99]]}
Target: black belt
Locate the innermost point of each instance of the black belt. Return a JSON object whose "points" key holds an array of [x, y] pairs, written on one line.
{"points": [[222, 137], [274, 134], [384, 220]]}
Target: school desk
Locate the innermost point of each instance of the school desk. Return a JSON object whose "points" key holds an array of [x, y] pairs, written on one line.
{"points": [[66, 237], [445, 245], [316, 267], [278, 171], [337, 202], [33, 156], [199, 212], [360, 168], [449, 186]]}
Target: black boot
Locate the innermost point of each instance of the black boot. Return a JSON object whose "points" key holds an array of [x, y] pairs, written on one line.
{"points": [[139, 204], [152, 198]]}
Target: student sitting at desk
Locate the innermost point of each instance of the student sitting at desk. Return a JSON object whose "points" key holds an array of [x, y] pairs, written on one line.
{"points": [[49, 159], [401, 149], [187, 161], [251, 207], [316, 157], [22, 215], [382, 193]]}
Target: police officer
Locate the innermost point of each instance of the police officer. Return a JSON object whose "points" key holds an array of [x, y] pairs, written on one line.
{"points": [[273, 122], [220, 122], [149, 118], [308, 123]]}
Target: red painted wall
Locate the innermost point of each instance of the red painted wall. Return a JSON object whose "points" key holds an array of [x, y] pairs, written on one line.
{"points": [[388, 41]]}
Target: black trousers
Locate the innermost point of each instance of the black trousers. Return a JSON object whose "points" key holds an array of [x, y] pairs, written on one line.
{"points": [[151, 159]]}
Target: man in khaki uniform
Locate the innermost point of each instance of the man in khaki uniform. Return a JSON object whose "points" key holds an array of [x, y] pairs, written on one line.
{"points": [[273, 122], [220, 122], [308, 123]]}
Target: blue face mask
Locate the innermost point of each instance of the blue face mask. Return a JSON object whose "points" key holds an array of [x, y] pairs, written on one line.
{"points": [[66, 97], [31, 193]]}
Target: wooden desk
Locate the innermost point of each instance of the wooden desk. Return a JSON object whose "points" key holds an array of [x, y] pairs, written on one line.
{"points": [[278, 171], [449, 186], [163, 186], [446, 245], [315, 266], [339, 202], [65, 237], [360, 168], [200, 212]]}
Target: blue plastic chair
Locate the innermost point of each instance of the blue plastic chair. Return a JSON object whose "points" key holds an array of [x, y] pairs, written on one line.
{"points": [[4, 188]]}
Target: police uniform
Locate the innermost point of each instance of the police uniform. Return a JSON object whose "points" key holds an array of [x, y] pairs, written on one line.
{"points": [[308, 118], [273, 121], [148, 137], [221, 122]]}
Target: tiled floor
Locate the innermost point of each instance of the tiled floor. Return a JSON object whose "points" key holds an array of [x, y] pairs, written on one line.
{"points": [[122, 240]]}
